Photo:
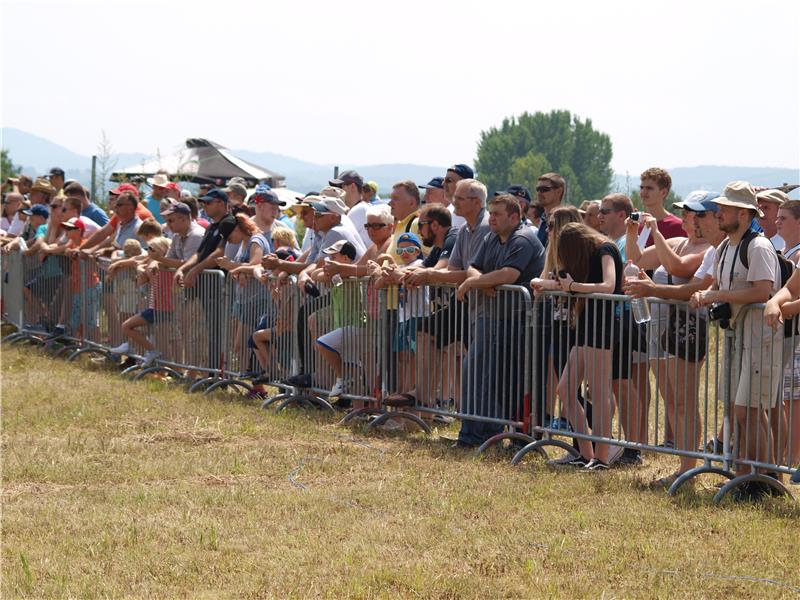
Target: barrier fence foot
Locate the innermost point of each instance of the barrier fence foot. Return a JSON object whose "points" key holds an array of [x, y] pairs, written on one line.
{"points": [[366, 410], [692, 473], [157, 369], [538, 448], [128, 370], [401, 415], [12, 336], [226, 383], [773, 484], [200, 384], [307, 400], [31, 338], [273, 399], [64, 349], [506, 435], [80, 351]]}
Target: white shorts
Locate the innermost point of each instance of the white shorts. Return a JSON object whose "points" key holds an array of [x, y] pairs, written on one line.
{"points": [[350, 342]]}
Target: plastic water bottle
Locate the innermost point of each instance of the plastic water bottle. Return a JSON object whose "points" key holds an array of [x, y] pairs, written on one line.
{"points": [[337, 280], [639, 306]]}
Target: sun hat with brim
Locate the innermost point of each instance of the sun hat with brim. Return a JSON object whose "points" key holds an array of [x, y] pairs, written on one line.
{"points": [[42, 185], [329, 205], [159, 180], [739, 194], [331, 192], [775, 196]]}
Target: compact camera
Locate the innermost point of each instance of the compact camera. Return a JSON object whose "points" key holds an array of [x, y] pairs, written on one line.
{"points": [[722, 312], [635, 217]]}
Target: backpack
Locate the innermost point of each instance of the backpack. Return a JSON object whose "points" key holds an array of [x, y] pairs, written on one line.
{"points": [[785, 265]]}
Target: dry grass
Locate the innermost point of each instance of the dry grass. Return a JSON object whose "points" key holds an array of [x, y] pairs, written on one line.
{"points": [[116, 489]]}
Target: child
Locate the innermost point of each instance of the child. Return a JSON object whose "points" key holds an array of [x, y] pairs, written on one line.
{"points": [[159, 311], [90, 288]]}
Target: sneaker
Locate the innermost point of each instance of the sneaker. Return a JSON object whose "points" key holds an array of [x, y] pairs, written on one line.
{"points": [[631, 458], [337, 389], [714, 446], [560, 424], [129, 362], [569, 460], [594, 465], [302, 380], [442, 419], [123, 348], [150, 357]]}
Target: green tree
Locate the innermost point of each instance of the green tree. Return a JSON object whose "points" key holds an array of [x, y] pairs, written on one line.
{"points": [[671, 199], [524, 147], [7, 167]]}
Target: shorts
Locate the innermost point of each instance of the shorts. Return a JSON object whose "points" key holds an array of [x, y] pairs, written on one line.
{"points": [[448, 325], [405, 336], [44, 288], [759, 378], [265, 322], [151, 315], [349, 342], [630, 340]]}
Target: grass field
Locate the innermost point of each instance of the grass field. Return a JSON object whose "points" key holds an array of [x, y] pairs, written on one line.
{"points": [[119, 489]]}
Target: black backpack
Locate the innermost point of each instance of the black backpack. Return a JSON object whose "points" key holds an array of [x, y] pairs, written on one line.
{"points": [[786, 268]]}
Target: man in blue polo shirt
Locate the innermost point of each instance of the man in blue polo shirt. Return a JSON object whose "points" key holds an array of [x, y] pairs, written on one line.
{"points": [[492, 377]]}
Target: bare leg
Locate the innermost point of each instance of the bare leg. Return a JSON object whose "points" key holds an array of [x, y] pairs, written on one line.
{"points": [[567, 391], [130, 330]]}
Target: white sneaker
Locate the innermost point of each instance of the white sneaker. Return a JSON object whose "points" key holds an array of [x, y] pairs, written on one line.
{"points": [[337, 389], [121, 349], [150, 357]]}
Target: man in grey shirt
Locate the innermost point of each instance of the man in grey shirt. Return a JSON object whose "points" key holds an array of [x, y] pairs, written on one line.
{"points": [[186, 238]]}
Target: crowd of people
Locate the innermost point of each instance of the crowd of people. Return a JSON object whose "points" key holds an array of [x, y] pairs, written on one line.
{"points": [[593, 355]]}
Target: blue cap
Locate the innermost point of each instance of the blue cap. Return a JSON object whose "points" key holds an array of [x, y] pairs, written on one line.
{"points": [[264, 193], [701, 201], [463, 171], [215, 194], [410, 237], [437, 183], [40, 210]]}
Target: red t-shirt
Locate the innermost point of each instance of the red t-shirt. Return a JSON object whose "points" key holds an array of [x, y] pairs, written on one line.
{"points": [[670, 227], [141, 212]]}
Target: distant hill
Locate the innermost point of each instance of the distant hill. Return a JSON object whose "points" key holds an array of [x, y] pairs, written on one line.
{"points": [[37, 155]]}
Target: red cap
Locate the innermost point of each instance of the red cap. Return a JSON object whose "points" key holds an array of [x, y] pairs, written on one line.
{"points": [[173, 186], [125, 187], [74, 223]]}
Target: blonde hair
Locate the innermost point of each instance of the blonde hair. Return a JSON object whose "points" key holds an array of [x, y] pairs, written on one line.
{"points": [[283, 236], [159, 244], [131, 248]]}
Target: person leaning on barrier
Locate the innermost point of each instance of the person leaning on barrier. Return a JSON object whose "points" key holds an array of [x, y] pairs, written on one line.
{"points": [[588, 263], [510, 255], [187, 236], [734, 287], [87, 208], [37, 216], [122, 226], [71, 209], [683, 373], [379, 227]]}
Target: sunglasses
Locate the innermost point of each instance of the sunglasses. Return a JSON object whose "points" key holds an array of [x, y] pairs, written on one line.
{"points": [[421, 223], [606, 211], [544, 188], [406, 250], [369, 226], [55, 206]]}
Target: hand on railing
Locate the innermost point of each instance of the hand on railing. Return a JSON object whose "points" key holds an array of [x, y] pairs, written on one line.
{"points": [[539, 285], [703, 298], [415, 277], [773, 315]]}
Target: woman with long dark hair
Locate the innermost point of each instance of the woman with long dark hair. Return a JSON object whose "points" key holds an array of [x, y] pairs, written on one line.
{"points": [[589, 263]]}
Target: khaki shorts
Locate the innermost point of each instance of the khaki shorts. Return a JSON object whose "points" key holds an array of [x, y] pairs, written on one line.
{"points": [[760, 376]]}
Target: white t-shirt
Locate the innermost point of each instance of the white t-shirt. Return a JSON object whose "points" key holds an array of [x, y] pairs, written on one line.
{"points": [[12, 226], [763, 266], [358, 215], [455, 220], [707, 266], [778, 242]]}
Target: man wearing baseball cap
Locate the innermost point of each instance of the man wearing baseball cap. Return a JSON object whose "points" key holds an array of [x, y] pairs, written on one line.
{"points": [[56, 177], [737, 285], [90, 210], [160, 183], [237, 194], [434, 191], [453, 175], [770, 201], [523, 195], [187, 235], [351, 182]]}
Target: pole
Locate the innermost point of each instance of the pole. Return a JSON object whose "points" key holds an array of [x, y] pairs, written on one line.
{"points": [[94, 180]]}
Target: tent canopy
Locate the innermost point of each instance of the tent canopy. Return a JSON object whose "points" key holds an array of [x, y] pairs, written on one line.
{"points": [[202, 161]]}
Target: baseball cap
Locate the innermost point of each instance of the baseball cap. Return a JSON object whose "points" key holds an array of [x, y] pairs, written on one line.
{"points": [[437, 183], [286, 253], [347, 177], [773, 195], [410, 237], [226, 226], [173, 186], [329, 205], [74, 223], [463, 171], [520, 191], [699, 201], [215, 194], [125, 187], [40, 210], [264, 193], [57, 171], [238, 188], [342, 247], [373, 185], [177, 208]]}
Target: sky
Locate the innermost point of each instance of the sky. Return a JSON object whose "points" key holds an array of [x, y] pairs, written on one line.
{"points": [[677, 83]]}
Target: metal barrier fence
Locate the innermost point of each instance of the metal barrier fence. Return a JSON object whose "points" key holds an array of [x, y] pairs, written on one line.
{"points": [[568, 372]]}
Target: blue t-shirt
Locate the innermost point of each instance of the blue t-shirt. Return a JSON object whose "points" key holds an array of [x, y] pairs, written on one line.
{"points": [[95, 213], [154, 206]]}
